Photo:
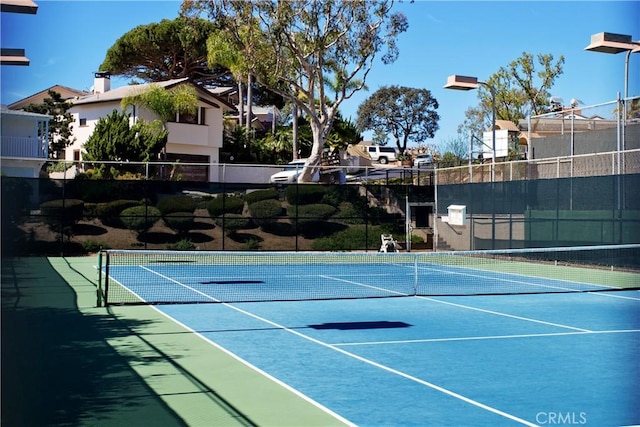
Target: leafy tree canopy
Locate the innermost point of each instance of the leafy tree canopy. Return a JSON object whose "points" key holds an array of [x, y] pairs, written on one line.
{"points": [[60, 126], [407, 114], [165, 103], [315, 54], [166, 50], [522, 88], [113, 139]]}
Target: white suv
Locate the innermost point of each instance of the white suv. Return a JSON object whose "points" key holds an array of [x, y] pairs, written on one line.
{"points": [[383, 155]]}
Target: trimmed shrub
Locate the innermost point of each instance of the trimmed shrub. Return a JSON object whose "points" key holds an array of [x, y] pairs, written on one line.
{"points": [[62, 212], [140, 218], [353, 238], [181, 222], [258, 195], [225, 205], [109, 213], [315, 211], [348, 214], [304, 194], [265, 212], [171, 204], [233, 222]]}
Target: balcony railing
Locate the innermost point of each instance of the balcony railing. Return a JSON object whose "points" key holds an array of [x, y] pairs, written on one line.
{"points": [[24, 147]]}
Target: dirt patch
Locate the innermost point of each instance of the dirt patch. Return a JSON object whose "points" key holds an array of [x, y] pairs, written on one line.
{"points": [[205, 235]]}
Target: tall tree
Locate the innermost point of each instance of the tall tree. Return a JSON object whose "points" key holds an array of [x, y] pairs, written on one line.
{"points": [[315, 54], [166, 50], [521, 89], [60, 126], [406, 113]]}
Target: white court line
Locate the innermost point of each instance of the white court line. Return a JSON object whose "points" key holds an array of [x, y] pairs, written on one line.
{"points": [[498, 313], [489, 337], [362, 359], [466, 306]]}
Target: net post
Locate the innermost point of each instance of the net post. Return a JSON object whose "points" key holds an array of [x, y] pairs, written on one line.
{"points": [[99, 288], [415, 275], [106, 279]]}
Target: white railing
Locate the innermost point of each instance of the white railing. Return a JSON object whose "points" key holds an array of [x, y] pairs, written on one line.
{"points": [[24, 147], [598, 164]]}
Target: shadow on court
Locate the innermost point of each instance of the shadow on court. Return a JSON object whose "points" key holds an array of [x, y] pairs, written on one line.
{"points": [[57, 368]]}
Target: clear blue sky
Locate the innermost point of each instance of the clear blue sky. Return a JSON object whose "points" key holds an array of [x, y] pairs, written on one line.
{"points": [[66, 42]]}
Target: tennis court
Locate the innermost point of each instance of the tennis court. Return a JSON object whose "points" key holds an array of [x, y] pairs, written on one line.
{"points": [[485, 338]]}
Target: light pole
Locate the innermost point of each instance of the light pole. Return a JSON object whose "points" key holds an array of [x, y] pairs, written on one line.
{"points": [[468, 83], [616, 43]]}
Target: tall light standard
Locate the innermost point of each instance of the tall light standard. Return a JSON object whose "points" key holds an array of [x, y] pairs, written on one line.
{"points": [[614, 44], [468, 83]]}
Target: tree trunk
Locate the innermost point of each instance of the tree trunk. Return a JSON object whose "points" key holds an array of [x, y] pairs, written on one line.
{"points": [[294, 132], [311, 166], [249, 105]]}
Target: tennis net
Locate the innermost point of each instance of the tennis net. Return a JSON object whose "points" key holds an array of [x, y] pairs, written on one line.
{"points": [[163, 277]]}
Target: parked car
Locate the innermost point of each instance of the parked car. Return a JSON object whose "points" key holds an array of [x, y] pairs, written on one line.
{"points": [[381, 154], [422, 160], [291, 172]]}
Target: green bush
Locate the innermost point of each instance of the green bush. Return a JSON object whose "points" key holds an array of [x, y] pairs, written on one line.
{"points": [[93, 246], [62, 212], [225, 205], [182, 245], [348, 214], [306, 212], [265, 212], [258, 195], [180, 222], [233, 222], [304, 194], [140, 218], [171, 204], [109, 213], [353, 238]]}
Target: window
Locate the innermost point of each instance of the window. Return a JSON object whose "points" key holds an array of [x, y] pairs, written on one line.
{"points": [[83, 122]]}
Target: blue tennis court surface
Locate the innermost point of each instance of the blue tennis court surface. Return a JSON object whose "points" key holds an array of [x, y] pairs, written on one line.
{"points": [[482, 360], [531, 352]]}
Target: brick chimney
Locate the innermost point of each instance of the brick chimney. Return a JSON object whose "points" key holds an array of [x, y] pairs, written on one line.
{"points": [[102, 82]]}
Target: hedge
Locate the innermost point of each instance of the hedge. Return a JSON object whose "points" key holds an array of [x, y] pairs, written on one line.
{"points": [[180, 222], [224, 205], [259, 195], [140, 218], [171, 204], [265, 212], [233, 222], [304, 194]]}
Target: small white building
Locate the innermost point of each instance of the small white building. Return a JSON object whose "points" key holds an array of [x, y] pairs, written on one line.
{"points": [[192, 139]]}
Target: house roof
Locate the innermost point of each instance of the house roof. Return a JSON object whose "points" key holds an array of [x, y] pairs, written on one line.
{"points": [[38, 98], [122, 92], [20, 113], [506, 124]]}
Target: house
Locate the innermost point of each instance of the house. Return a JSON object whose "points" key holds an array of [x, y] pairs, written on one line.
{"points": [[192, 139], [263, 118], [24, 143]]}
